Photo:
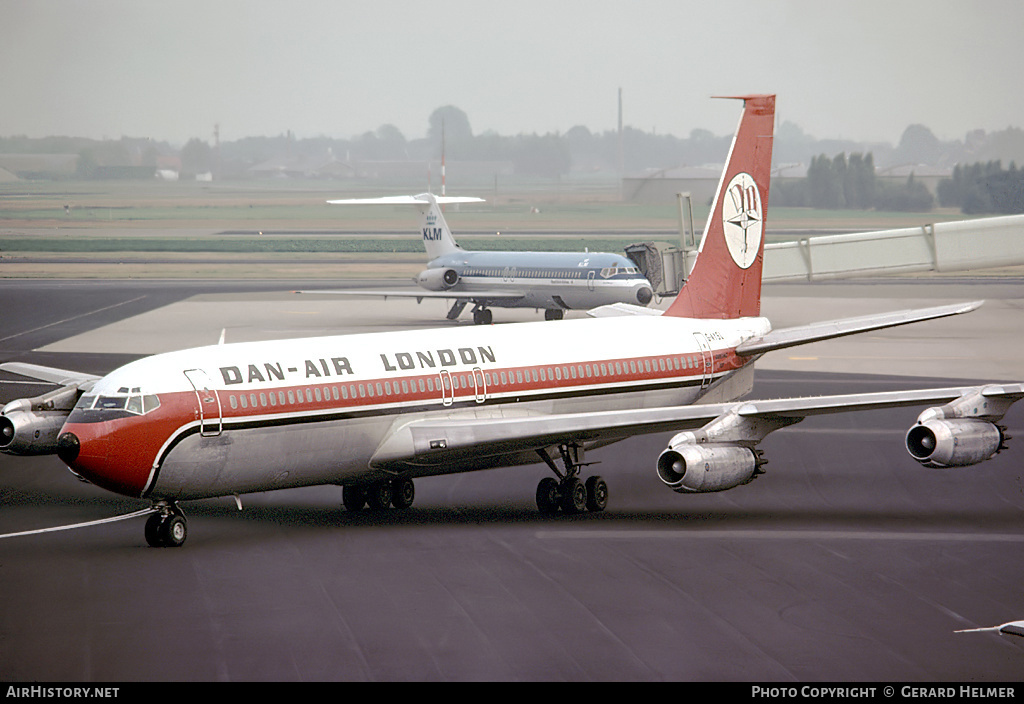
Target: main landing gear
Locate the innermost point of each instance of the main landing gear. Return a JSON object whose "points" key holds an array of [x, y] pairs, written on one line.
{"points": [[482, 316], [379, 495], [167, 528], [568, 493]]}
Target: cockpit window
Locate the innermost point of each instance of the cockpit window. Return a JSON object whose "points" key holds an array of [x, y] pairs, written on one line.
{"points": [[135, 403], [108, 403]]}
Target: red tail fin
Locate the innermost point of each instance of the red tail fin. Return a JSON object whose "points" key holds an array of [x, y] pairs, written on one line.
{"points": [[726, 278]]}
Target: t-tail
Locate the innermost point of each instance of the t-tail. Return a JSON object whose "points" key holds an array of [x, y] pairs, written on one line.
{"points": [[437, 238], [726, 278]]}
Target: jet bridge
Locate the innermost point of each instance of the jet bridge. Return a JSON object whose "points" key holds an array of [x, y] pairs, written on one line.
{"points": [[982, 243]]}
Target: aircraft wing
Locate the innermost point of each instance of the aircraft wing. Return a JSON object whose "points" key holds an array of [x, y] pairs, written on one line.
{"points": [[52, 375], [470, 438], [803, 334], [420, 295]]}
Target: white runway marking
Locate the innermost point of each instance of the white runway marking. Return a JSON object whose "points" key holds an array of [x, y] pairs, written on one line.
{"points": [[778, 535], [67, 320]]}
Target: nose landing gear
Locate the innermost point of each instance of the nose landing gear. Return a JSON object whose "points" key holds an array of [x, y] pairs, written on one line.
{"points": [[568, 493], [167, 528]]}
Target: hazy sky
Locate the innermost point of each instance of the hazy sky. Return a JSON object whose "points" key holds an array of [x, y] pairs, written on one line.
{"points": [[171, 69]]}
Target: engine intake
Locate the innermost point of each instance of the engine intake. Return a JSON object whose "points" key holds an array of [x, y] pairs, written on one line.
{"points": [[958, 442], [30, 432], [437, 279], [688, 468]]}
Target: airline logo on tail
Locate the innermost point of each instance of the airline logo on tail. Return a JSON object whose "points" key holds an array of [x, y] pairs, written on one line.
{"points": [[431, 233], [743, 219], [726, 278]]}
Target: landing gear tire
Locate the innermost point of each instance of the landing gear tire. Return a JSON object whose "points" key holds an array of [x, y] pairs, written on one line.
{"points": [[403, 491], [574, 496], [553, 314], [597, 494], [166, 530], [379, 495], [547, 496], [353, 498], [482, 316]]}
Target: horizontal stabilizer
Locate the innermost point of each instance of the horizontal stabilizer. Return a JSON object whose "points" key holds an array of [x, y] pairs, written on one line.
{"points": [[815, 332], [406, 200], [618, 310]]}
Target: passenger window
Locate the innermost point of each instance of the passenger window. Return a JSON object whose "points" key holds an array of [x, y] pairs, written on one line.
{"points": [[263, 400]]}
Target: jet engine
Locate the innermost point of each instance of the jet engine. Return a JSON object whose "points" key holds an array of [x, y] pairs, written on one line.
{"points": [[688, 468], [29, 426], [958, 442], [437, 279], [30, 433]]}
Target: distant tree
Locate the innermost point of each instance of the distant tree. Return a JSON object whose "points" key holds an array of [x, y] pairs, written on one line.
{"points": [[918, 146], [87, 164], [983, 188], [454, 123], [196, 157], [912, 197]]}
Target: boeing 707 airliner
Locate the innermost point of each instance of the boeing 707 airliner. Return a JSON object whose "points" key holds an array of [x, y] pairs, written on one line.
{"points": [[372, 412]]}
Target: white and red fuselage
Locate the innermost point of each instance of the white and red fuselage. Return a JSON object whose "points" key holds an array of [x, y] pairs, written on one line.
{"points": [[238, 418]]}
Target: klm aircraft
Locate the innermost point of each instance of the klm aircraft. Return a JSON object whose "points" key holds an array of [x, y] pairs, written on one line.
{"points": [[554, 281]]}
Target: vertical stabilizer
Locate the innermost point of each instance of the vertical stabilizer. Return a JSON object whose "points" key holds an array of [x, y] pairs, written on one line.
{"points": [[437, 238], [726, 278]]}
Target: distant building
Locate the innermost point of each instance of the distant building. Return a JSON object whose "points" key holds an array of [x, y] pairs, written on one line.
{"points": [[39, 166], [930, 176]]}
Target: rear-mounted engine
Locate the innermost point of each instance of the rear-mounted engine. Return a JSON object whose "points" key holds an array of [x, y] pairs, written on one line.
{"points": [[437, 279]]}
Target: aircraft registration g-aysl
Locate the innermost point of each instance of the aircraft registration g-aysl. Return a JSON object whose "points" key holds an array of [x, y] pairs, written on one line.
{"points": [[371, 412], [554, 281]]}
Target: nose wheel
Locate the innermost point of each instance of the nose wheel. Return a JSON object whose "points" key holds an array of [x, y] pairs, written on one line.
{"points": [[568, 493], [167, 528]]}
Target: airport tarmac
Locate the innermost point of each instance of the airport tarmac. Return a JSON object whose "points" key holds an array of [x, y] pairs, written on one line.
{"points": [[846, 562]]}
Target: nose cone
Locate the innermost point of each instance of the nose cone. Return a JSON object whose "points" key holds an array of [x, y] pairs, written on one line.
{"points": [[644, 295], [108, 462], [68, 448]]}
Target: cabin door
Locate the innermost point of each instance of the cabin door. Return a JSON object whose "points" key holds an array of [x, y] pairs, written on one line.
{"points": [[211, 421]]}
